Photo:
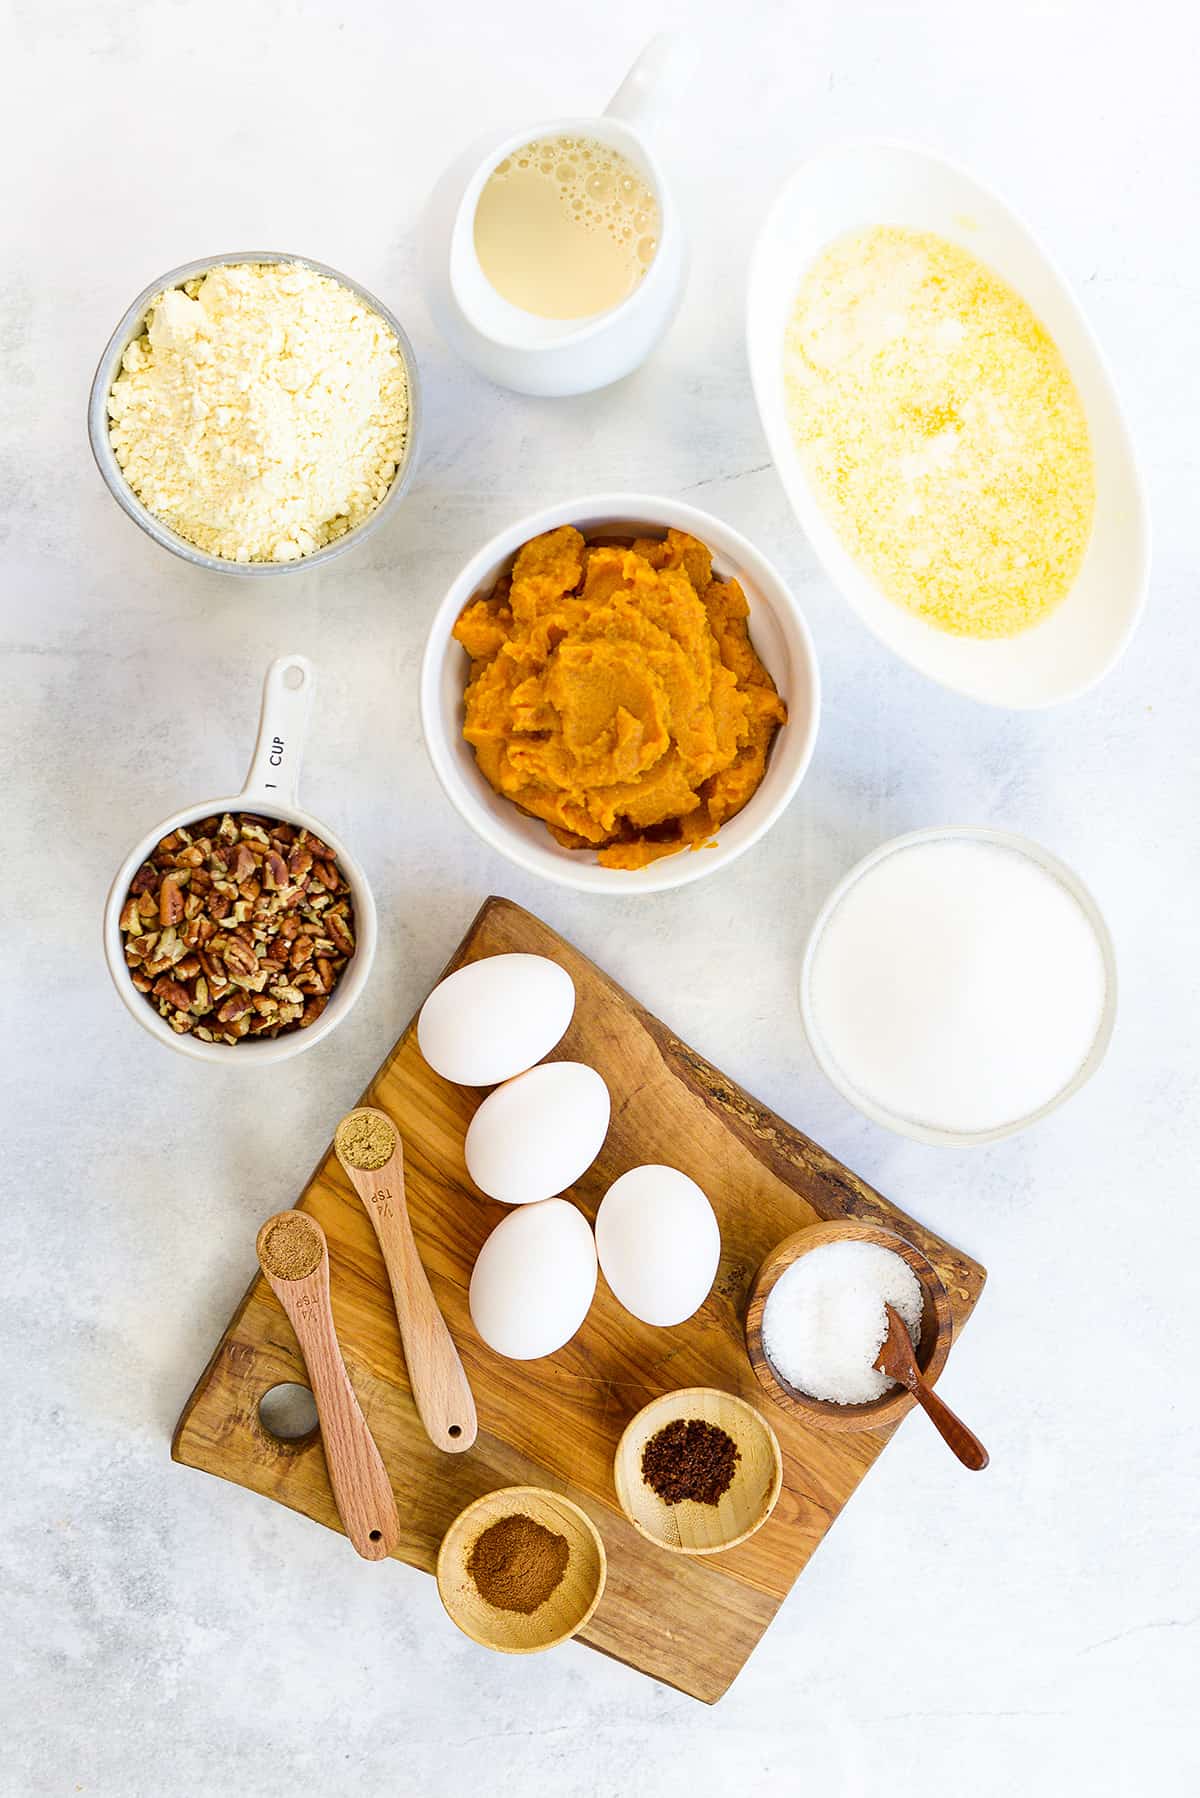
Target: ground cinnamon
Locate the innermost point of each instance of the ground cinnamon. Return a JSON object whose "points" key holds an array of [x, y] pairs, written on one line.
{"points": [[690, 1459], [516, 1563]]}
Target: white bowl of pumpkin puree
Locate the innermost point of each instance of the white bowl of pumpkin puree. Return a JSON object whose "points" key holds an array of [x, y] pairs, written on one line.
{"points": [[619, 692]]}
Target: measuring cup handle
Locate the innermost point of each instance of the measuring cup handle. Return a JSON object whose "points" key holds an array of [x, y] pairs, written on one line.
{"points": [[653, 86], [274, 773]]}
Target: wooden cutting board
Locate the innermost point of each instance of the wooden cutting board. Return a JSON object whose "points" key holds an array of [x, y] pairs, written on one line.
{"points": [[556, 1422]]}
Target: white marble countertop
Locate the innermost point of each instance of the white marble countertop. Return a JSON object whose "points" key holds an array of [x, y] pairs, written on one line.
{"points": [[1034, 1630]]}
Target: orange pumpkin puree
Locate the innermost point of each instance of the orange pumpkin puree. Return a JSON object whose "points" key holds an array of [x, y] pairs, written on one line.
{"points": [[614, 692]]}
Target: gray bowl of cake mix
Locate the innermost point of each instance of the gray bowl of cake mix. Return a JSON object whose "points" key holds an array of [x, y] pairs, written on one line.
{"points": [[243, 475], [959, 985]]}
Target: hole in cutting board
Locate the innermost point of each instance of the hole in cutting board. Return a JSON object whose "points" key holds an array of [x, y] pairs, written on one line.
{"points": [[454, 1430], [376, 1535], [288, 1412]]}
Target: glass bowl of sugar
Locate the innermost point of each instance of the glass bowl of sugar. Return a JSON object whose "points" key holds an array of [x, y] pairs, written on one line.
{"points": [[816, 1320], [959, 985]]}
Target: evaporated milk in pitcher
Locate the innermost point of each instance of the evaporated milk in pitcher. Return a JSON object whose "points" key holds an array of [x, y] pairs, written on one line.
{"points": [[566, 227]]}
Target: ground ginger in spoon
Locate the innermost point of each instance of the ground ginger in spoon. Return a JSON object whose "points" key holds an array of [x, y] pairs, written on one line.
{"points": [[939, 424]]}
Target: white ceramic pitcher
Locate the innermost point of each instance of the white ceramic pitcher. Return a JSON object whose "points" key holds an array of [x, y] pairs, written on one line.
{"points": [[548, 356]]}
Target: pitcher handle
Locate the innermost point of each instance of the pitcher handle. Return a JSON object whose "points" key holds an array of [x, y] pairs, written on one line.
{"points": [[653, 86]]}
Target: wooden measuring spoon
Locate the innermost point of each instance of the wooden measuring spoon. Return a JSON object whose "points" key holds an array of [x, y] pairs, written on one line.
{"points": [[361, 1488], [435, 1372], [896, 1359]]}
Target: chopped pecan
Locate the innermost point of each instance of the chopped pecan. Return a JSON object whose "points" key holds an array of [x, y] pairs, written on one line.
{"points": [[342, 939], [240, 961], [242, 865], [244, 921], [170, 902], [235, 1007], [175, 995]]}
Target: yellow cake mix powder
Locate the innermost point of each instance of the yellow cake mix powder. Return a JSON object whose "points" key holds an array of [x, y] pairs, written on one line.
{"points": [[941, 428], [263, 411]]}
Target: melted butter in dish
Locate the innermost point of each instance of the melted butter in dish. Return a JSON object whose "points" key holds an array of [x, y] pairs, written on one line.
{"points": [[942, 431]]}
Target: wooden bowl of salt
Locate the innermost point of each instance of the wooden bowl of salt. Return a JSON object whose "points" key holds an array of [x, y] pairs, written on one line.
{"points": [[931, 1347], [521, 1570]]}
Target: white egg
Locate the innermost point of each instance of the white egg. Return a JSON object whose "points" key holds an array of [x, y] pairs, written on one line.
{"points": [[533, 1280], [536, 1134], [495, 1018], [659, 1243]]}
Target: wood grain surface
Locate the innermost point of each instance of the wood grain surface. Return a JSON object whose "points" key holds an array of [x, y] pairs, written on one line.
{"points": [[896, 1358], [439, 1385], [358, 1479], [690, 1621]]}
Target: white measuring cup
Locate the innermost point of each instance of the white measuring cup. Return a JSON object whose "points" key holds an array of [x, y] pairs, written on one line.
{"points": [[548, 356], [270, 791]]}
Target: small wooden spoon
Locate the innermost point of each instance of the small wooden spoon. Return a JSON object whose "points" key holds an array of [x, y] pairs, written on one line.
{"points": [[361, 1488], [896, 1359], [435, 1372]]}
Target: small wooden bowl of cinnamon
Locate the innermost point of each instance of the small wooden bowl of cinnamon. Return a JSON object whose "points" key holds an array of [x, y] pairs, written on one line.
{"points": [[521, 1570]]}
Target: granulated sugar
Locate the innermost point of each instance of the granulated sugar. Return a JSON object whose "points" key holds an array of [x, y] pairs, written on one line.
{"points": [[958, 985], [824, 1322]]}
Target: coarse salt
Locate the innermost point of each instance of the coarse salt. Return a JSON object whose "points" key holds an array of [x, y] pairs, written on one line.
{"points": [[824, 1321], [263, 412]]}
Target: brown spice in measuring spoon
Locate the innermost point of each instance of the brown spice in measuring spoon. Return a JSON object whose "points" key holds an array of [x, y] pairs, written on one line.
{"points": [[365, 1140], [690, 1459], [517, 1564], [292, 1248]]}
